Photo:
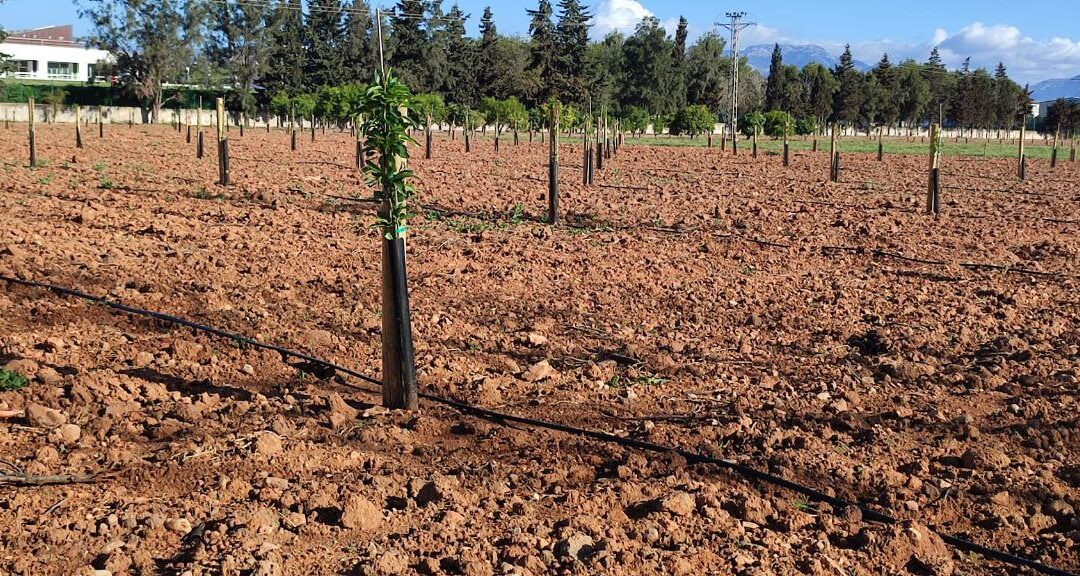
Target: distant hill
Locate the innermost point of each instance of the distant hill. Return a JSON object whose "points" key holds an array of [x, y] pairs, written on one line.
{"points": [[1053, 89], [760, 55]]}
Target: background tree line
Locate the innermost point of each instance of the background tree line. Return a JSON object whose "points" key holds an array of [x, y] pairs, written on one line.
{"points": [[896, 95], [289, 57]]}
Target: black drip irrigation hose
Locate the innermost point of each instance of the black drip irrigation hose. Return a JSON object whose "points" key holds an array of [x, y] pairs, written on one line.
{"points": [[500, 417]]}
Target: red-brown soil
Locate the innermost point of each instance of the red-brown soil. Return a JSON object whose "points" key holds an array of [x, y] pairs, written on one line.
{"points": [[723, 305]]}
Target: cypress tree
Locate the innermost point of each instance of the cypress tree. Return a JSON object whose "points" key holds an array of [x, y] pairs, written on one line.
{"points": [[774, 88], [678, 65], [488, 56]]}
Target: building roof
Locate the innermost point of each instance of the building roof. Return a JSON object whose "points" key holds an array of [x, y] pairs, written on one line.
{"points": [[49, 35]]}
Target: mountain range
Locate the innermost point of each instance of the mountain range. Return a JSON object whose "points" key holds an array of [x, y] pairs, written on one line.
{"points": [[759, 57], [1058, 88]]}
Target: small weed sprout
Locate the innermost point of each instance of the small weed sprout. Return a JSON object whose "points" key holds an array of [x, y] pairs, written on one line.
{"points": [[11, 380]]}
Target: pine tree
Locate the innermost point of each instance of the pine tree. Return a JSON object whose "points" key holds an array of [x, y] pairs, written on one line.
{"points": [[358, 65], [648, 60], [848, 101], [285, 69], [571, 47], [708, 73], [941, 85], [886, 103], [913, 92], [408, 43], [488, 57], [774, 88], [323, 42], [542, 50]]}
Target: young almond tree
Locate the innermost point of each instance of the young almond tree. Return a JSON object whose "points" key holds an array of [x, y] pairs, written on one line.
{"points": [[386, 139]]}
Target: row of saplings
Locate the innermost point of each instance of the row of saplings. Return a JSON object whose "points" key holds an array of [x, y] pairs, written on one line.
{"points": [[334, 105]]}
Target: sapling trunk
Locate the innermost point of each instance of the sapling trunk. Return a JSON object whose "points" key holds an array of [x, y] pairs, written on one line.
{"points": [[553, 170], [934, 182], [386, 135], [223, 144], [32, 136], [1020, 166], [78, 129]]}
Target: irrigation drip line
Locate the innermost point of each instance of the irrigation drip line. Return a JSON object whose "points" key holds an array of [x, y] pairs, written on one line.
{"points": [[503, 418]]}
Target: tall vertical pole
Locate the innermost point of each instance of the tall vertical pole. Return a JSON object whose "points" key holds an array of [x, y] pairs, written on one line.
{"points": [[553, 167], [735, 26], [30, 127], [1054, 150], [199, 146], [1021, 163], [100, 123], [934, 183], [223, 144], [832, 153], [78, 129]]}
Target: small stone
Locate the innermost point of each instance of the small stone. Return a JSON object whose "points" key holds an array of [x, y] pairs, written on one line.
{"points": [[679, 504], [1059, 509], [985, 458], [340, 413], [360, 514], [178, 525], [1039, 522], [538, 372], [267, 444], [247, 369], [49, 376], [317, 338], [52, 344], [537, 339], [44, 417], [143, 359], [69, 433], [577, 545], [902, 412]]}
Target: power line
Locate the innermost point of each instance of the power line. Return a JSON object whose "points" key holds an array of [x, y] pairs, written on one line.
{"points": [[735, 26]]}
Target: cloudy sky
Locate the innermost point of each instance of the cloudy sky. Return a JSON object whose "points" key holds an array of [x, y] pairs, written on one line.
{"points": [[1036, 41]]}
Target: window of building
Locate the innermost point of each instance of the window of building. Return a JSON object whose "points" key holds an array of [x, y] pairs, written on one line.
{"points": [[63, 70], [24, 67]]}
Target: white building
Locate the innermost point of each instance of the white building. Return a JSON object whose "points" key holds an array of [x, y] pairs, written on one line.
{"points": [[51, 54]]}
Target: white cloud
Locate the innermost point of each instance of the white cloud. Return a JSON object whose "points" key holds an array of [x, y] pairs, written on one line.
{"points": [[618, 15]]}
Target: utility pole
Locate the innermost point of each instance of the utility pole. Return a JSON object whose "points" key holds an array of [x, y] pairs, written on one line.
{"points": [[735, 26]]}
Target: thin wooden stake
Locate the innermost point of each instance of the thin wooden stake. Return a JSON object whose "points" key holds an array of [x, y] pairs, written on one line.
{"points": [[553, 169], [934, 183], [78, 129], [223, 144], [100, 123], [33, 139], [832, 153], [1020, 163]]}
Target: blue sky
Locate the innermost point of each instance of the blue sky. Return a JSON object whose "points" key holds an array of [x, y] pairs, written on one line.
{"points": [[1036, 41]]}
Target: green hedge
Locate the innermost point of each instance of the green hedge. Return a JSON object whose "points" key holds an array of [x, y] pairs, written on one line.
{"points": [[98, 94]]}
